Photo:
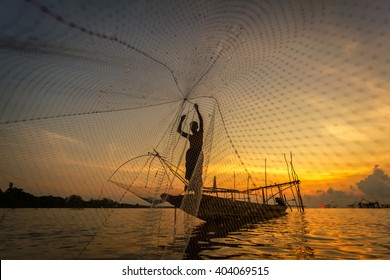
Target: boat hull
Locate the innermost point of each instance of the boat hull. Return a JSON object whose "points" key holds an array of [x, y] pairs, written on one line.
{"points": [[212, 208]]}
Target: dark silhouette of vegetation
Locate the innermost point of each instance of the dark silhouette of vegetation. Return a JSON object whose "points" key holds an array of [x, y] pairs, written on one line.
{"points": [[17, 198]]}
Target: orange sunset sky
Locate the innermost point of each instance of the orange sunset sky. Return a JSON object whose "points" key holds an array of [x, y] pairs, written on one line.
{"points": [[82, 93]]}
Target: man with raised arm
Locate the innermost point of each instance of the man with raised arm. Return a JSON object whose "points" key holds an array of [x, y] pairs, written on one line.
{"points": [[196, 142]]}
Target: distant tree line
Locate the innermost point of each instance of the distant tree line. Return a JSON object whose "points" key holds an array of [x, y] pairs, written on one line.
{"points": [[17, 198]]}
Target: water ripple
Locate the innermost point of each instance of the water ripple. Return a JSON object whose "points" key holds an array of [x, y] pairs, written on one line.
{"points": [[314, 234]]}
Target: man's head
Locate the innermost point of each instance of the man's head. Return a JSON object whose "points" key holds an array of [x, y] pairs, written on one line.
{"points": [[194, 126]]}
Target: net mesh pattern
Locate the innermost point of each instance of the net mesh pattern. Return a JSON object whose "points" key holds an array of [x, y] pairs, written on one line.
{"points": [[92, 92]]}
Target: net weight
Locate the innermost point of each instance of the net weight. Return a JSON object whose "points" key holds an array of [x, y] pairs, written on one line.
{"points": [[254, 270]]}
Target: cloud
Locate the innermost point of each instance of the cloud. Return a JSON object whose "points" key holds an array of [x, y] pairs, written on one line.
{"points": [[54, 136], [350, 47], [347, 132], [331, 196], [374, 187]]}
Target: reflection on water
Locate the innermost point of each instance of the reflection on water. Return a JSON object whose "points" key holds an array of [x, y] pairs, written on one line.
{"points": [[148, 234], [314, 234], [281, 238]]}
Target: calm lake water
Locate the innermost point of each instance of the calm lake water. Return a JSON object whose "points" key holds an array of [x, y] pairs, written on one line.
{"points": [[159, 233]]}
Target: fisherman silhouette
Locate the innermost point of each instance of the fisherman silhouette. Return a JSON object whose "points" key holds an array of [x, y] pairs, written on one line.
{"points": [[196, 142]]}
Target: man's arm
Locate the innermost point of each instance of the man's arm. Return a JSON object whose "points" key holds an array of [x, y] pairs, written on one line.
{"points": [[181, 132], [200, 117]]}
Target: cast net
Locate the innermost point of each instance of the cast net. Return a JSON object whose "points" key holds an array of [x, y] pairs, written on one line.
{"points": [[92, 93]]}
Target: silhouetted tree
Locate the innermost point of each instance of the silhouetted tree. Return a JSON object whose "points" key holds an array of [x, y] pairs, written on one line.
{"points": [[74, 201]]}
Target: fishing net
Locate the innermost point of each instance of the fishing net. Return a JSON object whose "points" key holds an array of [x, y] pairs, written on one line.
{"points": [[92, 93]]}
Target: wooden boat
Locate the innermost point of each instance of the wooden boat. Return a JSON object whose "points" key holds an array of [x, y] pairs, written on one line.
{"points": [[220, 204], [213, 207]]}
